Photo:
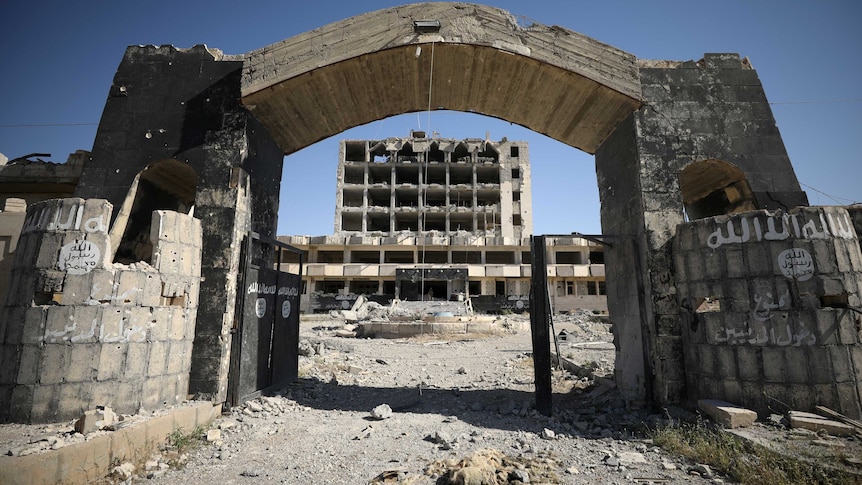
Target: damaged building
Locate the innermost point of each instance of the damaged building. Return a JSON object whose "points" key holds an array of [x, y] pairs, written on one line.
{"points": [[421, 218], [154, 280]]}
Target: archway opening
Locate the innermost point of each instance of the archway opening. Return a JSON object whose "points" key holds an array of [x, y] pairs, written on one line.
{"points": [[162, 185], [714, 187]]}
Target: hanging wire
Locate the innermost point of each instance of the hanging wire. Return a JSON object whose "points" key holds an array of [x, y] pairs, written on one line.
{"points": [[833, 197]]}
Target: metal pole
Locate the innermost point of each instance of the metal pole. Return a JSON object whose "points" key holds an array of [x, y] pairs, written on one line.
{"points": [[539, 325]]}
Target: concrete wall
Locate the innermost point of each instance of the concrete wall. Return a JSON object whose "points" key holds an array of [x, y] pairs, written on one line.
{"points": [[770, 309], [80, 331], [183, 104], [711, 109]]}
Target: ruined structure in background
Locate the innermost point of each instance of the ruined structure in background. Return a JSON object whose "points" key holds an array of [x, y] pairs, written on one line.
{"points": [[421, 218], [24, 182], [672, 140]]}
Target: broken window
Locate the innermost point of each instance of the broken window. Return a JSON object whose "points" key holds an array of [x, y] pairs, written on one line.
{"points": [[354, 151], [162, 185], [714, 187], [597, 257], [569, 257]]}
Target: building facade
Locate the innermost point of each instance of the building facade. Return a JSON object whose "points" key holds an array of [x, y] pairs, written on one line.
{"points": [[420, 218]]}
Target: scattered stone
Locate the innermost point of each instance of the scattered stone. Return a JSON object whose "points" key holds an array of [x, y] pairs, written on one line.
{"points": [[254, 406], [548, 434], [250, 473], [631, 458], [814, 422], [381, 412], [703, 470], [611, 460], [87, 422], [727, 414], [443, 439], [345, 333], [365, 433], [306, 349], [124, 471], [213, 435], [462, 370], [355, 369], [668, 465], [381, 361], [518, 475], [573, 470]]}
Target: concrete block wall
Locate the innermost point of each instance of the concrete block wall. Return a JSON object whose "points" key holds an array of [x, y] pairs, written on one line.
{"points": [[770, 309], [184, 104], [79, 331], [714, 108]]}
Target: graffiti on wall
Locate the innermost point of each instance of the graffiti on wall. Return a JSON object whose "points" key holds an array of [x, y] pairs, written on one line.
{"points": [[52, 218], [780, 227], [765, 333], [796, 264], [766, 304], [79, 257]]}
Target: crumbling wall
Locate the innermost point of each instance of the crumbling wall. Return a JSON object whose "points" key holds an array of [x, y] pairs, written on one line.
{"points": [[80, 331], [167, 103], [712, 109], [771, 309]]}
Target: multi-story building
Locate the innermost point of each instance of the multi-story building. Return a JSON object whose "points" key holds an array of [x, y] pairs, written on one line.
{"points": [[419, 218]]}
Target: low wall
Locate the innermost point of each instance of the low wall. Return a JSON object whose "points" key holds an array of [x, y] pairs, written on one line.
{"points": [[771, 309], [79, 331]]}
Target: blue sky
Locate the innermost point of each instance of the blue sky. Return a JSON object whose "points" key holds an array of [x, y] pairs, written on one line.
{"points": [[58, 59]]}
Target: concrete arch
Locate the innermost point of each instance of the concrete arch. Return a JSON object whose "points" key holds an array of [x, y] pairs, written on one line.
{"points": [[232, 118], [549, 79]]}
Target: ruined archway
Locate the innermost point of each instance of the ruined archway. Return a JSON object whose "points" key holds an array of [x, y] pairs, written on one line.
{"points": [[714, 187], [233, 118]]}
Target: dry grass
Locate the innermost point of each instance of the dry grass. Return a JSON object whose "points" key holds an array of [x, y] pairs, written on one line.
{"points": [[742, 461]]}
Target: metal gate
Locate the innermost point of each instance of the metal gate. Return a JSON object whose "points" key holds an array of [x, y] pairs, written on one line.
{"points": [[264, 349]]}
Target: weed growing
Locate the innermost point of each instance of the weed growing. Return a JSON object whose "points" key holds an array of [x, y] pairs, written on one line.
{"points": [[740, 460]]}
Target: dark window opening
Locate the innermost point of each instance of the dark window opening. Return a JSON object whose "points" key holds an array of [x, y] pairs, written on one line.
{"points": [[500, 288], [474, 287], [334, 257], [714, 187], [597, 257], [513, 151], [500, 257], [354, 151], [369, 257], [163, 185], [516, 196], [569, 257], [398, 257], [516, 173]]}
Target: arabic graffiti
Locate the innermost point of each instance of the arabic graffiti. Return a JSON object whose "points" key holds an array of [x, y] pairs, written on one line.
{"points": [[51, 218], [781, 227], [760, 333], [79, 257], [796, 264], [763, 306]]}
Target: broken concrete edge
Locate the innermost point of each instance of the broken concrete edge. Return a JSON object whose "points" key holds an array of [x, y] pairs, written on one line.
{"points": [[411, 329], [817, 423], [91, 460], [727, 414]]}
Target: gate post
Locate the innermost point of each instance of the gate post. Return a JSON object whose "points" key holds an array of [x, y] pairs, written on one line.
{"points": [[539, 324]]}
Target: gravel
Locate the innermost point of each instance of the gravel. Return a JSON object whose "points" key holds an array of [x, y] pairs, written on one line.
{"points": [[441, 409]]}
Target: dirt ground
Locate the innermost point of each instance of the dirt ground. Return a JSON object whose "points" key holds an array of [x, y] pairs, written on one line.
{"points": [[442, 409]]}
